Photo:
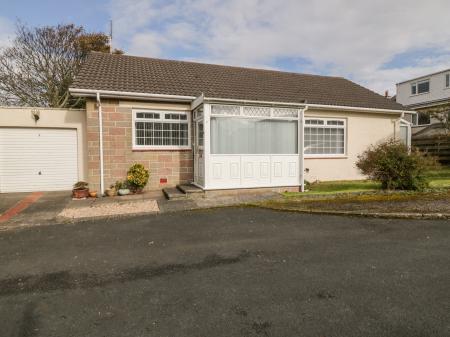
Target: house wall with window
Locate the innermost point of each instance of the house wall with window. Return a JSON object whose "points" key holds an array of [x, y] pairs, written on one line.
{"points": [[154, 134], [160, 136], [358, 130], [424, 90]]}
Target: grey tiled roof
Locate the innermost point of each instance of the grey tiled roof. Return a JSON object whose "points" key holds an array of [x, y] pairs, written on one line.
{"points": [[103, 71]]}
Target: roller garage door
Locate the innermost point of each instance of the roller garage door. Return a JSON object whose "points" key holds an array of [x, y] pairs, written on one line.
{"points": [[37, 159]]}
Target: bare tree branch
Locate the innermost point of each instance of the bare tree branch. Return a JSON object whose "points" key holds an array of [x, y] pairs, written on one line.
{"points": [[39, 67]]}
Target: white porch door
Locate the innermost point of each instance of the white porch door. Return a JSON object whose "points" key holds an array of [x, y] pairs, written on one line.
{"points": [[37, 159], [199, 159]]}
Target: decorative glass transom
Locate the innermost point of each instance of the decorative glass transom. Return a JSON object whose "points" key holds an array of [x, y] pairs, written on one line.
{"points": [[256, 111], [225, 110], [285, 112]]}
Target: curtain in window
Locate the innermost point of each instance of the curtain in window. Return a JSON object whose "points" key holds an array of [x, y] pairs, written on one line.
{"points": [[253, 136]]}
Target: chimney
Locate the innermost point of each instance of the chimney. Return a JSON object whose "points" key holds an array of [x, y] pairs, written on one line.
{"points": [[386, 94]]}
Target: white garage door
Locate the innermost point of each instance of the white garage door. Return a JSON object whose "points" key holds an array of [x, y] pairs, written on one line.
{"points": [[33, 159]]}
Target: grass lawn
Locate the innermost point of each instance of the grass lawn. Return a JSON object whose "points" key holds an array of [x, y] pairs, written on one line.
{"points": [[438, 179], [344, 186]]}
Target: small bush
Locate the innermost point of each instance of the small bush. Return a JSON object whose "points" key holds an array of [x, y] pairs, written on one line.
{"points": [[395, 167], [137, 177]]}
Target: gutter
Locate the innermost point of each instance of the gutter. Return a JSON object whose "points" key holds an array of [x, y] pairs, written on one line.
{"points": [[100, 127], [177, 98], [318, 106], [128, 94]]}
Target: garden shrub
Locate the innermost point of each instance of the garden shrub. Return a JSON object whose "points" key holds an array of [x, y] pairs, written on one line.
{"points": [[395, 167], [137, 177]]}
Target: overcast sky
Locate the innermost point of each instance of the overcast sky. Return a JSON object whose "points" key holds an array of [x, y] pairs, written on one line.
{"points": [[374, 43]]}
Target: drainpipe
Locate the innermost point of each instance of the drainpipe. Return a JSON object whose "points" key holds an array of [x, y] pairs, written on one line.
{"points": [[100, 126], [301, 148]]}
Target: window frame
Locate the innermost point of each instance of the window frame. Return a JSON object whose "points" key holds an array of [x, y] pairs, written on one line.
{"points": [[415, 119], [447, 81], [325, 126], [161, 119], [416, 86]]}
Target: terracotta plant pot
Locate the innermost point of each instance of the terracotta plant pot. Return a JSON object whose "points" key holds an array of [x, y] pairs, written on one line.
{"points": [[80, 193], [93, 194]]}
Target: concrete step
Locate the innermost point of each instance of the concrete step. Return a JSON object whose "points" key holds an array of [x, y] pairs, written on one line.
{"points": [[173, 193], [189, 189]]}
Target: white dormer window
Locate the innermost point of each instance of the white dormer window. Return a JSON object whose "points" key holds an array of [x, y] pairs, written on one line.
{"points": [[420, 87]]}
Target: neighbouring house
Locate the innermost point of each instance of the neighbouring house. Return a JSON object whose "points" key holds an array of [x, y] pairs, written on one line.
{"points": [[424, 94], [219, 127]]}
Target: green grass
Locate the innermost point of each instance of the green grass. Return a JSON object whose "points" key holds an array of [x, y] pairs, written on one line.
{"points": [[344, 186], [438, 179]]}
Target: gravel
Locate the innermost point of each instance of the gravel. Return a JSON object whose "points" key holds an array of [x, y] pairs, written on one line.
{"points": [[106, 209]]}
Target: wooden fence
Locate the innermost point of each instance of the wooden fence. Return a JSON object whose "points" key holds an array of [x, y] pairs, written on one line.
{"points": [[438, 146]]}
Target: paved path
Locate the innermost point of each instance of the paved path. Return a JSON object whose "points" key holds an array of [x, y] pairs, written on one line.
{"points": [[227, 272]]}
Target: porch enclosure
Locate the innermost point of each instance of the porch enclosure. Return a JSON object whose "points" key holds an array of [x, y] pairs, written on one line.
{"points": [[246, 146]]}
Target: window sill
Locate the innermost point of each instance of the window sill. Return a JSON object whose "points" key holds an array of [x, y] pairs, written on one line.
{"points": [[161, 149], [325, 157], [422, 93], [420, 125]]}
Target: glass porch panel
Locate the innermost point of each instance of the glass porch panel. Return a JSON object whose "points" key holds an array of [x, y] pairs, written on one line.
{"points": [[253, 136]]}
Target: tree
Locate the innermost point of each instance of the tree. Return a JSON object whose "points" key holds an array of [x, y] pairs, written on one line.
{"points": [[39, 67], [442, 114]]}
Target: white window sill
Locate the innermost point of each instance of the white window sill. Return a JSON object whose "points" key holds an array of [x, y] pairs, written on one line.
{"points": [[161, 148], [422, 93], [325, 156]]}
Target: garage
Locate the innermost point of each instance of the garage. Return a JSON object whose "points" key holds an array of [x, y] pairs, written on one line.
{"points": [[38, 159]]}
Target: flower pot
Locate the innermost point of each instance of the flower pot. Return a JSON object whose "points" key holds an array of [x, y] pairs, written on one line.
{"points": [[124, 191], [111, 192], [93, 194], [80, 193]]}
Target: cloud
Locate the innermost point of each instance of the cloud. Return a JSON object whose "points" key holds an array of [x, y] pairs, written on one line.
{"points": [[350, 38]]}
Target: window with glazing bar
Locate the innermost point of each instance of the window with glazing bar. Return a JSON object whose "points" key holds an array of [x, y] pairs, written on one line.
{"points": [[325, 137], [161, 129]]}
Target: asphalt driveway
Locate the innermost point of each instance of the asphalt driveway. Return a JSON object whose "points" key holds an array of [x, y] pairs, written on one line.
{"points": [[227, 272]]}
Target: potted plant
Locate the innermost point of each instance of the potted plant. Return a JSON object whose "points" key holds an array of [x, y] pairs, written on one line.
{"points": [[122, 187], [137, 178], [80, 190], [111, 191]]}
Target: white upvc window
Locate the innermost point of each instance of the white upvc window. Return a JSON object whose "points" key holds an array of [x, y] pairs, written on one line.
{"points": [[420, 87], [325, 137], [161, 130]]}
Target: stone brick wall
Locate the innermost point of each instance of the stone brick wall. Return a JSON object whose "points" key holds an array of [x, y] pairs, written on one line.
{"points": [[175, 166]]}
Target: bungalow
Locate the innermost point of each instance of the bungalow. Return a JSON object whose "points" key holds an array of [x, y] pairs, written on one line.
{"points": [[223, 127]]}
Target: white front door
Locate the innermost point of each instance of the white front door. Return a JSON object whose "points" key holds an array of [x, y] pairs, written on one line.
{"points": [[37, 159]]}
